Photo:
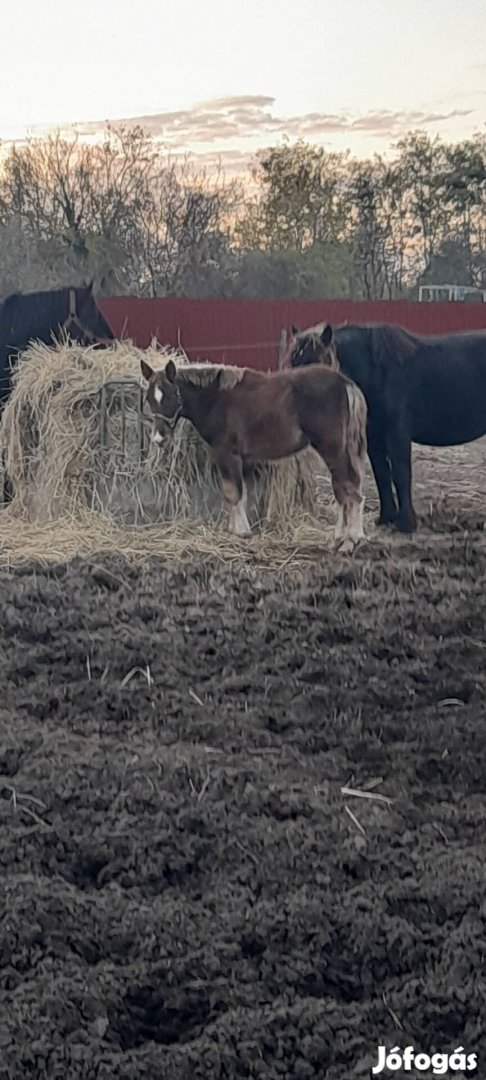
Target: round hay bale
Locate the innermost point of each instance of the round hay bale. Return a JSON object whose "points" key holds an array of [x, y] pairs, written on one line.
{"points": [[74, 439]]}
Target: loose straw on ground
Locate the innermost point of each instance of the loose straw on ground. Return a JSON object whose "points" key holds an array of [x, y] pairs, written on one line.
{"points": [[91, 535]]}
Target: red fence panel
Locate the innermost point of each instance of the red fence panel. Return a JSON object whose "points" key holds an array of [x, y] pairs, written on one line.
{"points": [[247, 332]]}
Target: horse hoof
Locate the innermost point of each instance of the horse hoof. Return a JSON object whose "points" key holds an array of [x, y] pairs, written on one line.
{"points": [[345, 547], [407, 524], [388, 518], [244, 535]]}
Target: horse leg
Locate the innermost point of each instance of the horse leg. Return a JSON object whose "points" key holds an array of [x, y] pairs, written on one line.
{"points": [[350, 499], [347, 478], [383, 477], [234, 492], [400, 452]]}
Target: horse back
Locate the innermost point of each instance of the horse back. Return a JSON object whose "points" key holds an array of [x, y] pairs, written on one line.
{"points": [[284, 391], [258, 401], [261, 417], [317, 385], [434, 386]]}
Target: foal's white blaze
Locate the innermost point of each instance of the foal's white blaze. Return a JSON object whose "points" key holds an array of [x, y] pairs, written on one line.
{"points": [[157, 437], [158, 394]]}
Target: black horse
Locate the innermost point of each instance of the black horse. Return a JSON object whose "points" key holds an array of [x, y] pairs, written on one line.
{"points": [[429, 390], [43, 316]]}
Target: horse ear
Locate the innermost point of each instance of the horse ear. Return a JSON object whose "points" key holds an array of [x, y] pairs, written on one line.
{"points": [[147, 371], [326, 336], [170, 371], [294, 330]]}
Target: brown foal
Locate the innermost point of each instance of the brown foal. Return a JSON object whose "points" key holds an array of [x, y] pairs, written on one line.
{"points": [[259, 417]]}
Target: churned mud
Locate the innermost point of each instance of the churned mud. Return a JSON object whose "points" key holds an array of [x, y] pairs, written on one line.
{"points": [[186, 891]]}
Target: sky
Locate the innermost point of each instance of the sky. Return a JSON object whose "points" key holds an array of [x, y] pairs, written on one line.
{"points": [[224, 78]]}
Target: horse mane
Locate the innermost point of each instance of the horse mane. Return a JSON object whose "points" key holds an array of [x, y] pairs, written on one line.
{"points": [[312, 331], [204, 374], [392, 342]]}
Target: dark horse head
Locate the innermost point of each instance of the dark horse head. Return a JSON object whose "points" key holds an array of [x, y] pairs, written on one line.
{"points": [[85, 322], [313, 346], [47, 316]]}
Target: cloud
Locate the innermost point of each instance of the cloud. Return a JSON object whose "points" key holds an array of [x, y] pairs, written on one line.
{"points": [[223, 129], [386, 122], [239, 101], [243, 116]]}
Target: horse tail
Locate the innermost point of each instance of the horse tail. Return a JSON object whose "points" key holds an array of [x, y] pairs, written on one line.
{"points": [[356, 423]]}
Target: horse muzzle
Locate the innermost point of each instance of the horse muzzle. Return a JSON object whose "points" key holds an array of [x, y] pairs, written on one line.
{"points": [[164, 425]]}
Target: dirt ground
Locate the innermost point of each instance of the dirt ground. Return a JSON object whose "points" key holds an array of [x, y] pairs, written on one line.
{"points": [[186, 891]]}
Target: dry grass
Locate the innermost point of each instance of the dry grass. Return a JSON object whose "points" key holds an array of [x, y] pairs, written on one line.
{"points": [[450, 488], [83, 486], [90, 534]]}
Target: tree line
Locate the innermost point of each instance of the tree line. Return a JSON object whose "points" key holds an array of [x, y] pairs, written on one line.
{"points": [[305, 223]]}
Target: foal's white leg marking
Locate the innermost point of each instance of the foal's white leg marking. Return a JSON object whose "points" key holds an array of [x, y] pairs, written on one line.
{"points": [[358, 520], [241, 525], [356, 530], [351, 520], [347, 542], [353, 531]]}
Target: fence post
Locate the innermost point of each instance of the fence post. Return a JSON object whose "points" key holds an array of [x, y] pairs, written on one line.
{"points": [[282, 349]]}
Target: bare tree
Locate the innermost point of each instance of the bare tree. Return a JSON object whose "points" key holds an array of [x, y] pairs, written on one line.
{"points": [[312, 223], [185, 227], [88, 197]]}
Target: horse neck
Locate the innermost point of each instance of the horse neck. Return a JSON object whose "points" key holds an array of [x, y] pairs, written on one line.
{"points": [[196, 402], [35, 315]]}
